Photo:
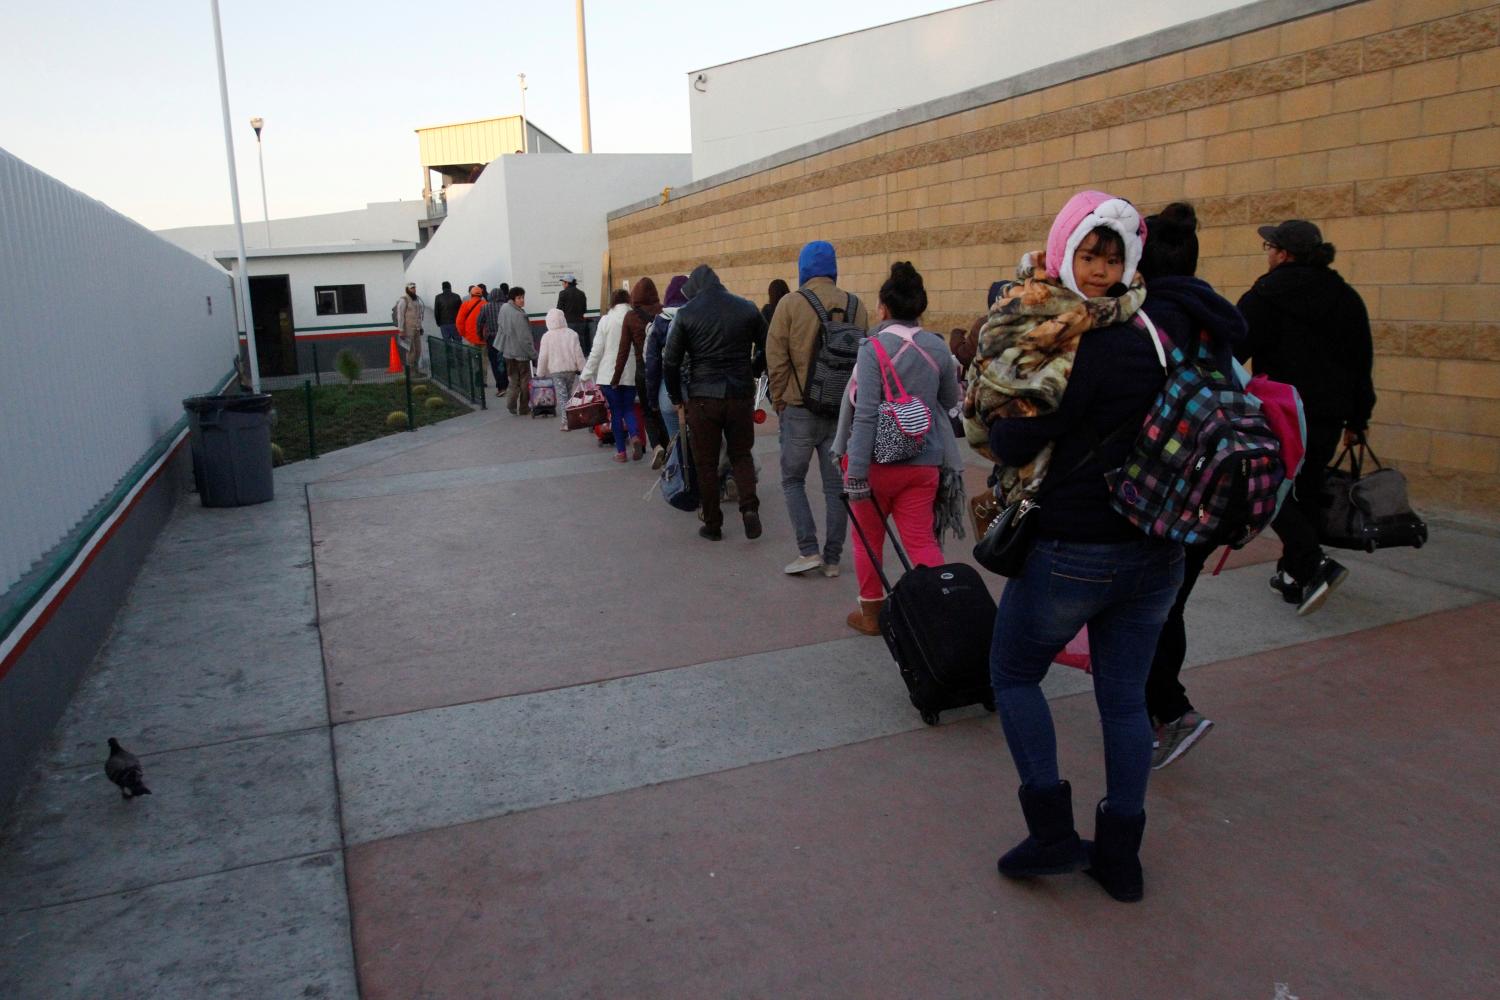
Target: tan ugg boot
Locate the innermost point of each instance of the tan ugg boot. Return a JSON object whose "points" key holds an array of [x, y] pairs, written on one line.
{"points": [[866, 620]]}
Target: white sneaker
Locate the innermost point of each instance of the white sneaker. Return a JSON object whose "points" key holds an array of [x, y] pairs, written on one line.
{"points": [[830, 570], [802, 564]]}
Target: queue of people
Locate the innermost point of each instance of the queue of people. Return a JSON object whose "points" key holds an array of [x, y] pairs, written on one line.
{"points": [[1052, 384]]}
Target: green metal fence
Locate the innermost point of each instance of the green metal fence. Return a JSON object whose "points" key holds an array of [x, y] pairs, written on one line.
{"points": [[459, 366]]}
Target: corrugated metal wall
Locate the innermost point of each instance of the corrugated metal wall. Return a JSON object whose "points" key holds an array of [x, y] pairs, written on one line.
{"points": [[469, 142], [104, 328]]}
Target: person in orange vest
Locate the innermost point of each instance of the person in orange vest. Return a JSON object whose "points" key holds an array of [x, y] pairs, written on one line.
{"points": [[468, 316]]}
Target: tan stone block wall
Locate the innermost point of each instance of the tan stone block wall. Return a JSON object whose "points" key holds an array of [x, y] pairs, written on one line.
{"points": [[1379, 121]]}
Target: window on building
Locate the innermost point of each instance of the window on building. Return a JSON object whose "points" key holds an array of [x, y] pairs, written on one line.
{"points": [[334, 300]]}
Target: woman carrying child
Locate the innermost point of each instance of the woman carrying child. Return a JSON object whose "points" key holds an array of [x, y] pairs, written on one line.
{"points": [[1065, 375]]}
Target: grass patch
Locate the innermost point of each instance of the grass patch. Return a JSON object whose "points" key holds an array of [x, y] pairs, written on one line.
{"points": [[346, 415]]}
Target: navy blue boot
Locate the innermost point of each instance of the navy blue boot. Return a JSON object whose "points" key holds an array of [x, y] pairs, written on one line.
{"points": [[1052, 846]]}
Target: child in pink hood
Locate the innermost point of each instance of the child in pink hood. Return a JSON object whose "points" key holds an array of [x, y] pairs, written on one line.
{"points": [[560, 358]]}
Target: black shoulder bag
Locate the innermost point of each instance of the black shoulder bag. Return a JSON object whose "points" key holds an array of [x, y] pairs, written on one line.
{"points": [[1004, 547]]}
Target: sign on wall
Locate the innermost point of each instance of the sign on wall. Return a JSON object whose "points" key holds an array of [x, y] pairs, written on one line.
{"points": [[551, 276]]}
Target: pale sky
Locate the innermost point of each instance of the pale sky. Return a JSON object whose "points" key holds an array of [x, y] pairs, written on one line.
{"points": [[120, 100]]}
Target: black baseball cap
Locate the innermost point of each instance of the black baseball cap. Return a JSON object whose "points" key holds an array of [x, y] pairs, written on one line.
{"points": [[1293, 236]]}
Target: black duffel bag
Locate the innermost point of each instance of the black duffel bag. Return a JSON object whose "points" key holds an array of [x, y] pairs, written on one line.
{"points": [[1367, 510]]}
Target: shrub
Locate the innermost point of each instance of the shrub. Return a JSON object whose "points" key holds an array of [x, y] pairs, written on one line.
{"points": [[435, 403], [421, 390], [348, 365], [396, 420], [278, 457]]}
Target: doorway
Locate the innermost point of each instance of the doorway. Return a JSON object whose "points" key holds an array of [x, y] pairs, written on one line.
{"points": [[275, 340]]}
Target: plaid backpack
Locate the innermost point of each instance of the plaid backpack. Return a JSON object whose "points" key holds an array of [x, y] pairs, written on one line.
{"points": [[1206, 466]]}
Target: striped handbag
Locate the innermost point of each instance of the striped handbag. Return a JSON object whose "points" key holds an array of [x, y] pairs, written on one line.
{"points": [[902, 421]]}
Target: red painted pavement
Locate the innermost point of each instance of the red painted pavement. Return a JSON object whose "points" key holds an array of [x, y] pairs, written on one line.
{"points": [[1334, 834]]}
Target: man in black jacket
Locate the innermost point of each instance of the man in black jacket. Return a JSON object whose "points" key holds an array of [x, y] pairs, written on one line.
{"points": [[724, 338], [445, 311], [574, 304], [1308, 328]]}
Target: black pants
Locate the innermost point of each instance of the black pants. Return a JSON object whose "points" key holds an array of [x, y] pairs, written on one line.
{"points": [[1166, 699], [734, 421], [585, 332], [497, 365], [655, 430], [1297, 524]]}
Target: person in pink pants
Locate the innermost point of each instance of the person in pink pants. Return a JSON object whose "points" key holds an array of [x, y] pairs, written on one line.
{"points": [[916, 364]]}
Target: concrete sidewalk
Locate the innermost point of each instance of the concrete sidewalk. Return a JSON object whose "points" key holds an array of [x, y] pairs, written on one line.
{"points": [[436, 723]]}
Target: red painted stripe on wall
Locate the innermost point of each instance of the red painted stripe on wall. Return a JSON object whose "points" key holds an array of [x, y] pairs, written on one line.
{"points": [[17, 645]]}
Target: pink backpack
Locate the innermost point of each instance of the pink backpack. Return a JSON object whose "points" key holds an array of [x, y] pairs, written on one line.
{"points": [[1281, 405]]}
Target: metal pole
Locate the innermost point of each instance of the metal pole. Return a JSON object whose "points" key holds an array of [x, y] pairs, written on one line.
{"points": [[583, 83], [525, 139], [265, 210], [411, 416], [312, 434], [234, 197]]}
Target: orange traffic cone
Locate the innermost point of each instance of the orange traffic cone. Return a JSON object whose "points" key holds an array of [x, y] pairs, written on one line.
{"points": [[395, 366]]}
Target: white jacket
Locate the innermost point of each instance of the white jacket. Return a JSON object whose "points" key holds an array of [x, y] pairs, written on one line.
{"points": [[560, 350], [607, 346]]}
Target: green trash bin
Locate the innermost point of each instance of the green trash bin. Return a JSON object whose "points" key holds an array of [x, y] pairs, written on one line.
{"points": [[231, 445]]}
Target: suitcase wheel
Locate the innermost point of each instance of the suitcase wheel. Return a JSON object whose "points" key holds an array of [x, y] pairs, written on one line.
{"points": [[931, 718]]}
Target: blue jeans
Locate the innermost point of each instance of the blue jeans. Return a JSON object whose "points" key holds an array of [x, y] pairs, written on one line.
{"points": [[668, 412], [621, 400], [804, 434], [1122, 592], [450, 332]]}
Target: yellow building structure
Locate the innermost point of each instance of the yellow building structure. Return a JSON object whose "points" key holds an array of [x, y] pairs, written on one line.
{"points": [[459, 151]]}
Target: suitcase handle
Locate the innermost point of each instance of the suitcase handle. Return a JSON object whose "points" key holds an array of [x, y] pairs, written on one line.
{"points": [[869, 551], [1356, 454]]}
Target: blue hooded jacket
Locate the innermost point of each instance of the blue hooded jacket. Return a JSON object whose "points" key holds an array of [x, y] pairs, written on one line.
{"points": [[817, 260]]}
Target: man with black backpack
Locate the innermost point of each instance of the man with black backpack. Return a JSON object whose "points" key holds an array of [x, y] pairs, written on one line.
{"points": [[810, 352]]}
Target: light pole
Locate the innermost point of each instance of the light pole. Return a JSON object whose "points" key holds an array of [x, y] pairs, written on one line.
{"points": [[234, 198], [583, 83], [525, 139], [259, 123]]}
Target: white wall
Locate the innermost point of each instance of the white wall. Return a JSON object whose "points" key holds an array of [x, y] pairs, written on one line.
{"points": [[382, 275], [473, 243], [106, 328], [759, 106], [528, 211], [377, 222]]}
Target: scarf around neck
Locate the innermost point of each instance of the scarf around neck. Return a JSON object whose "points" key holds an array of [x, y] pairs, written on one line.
{"points": [[1025, 357]]}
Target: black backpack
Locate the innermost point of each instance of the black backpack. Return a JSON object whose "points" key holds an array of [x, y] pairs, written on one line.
{"points": [[833, 357]]}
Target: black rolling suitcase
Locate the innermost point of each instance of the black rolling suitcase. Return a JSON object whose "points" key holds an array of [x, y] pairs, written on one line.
{"points": [[937, 621]]}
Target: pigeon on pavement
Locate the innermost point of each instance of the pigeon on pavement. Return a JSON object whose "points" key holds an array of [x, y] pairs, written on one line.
{"points": [[124, 769]]}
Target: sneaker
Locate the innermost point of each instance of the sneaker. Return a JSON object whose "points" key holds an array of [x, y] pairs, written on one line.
{"points": [[752, 523], [636, 449], [1324, 582], [1286, 587], [712, 534], [731, 492], [1173, 739], [830, 570], [658, 457], [802, 564]]}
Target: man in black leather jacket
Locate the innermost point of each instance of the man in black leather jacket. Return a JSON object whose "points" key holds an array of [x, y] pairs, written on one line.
{"points": [[724, 338]]}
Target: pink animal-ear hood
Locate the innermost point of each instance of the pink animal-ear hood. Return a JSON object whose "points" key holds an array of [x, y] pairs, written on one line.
{"points": [[1085, 212]]}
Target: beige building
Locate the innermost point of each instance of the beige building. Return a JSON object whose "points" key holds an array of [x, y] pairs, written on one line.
{"points": [[1379, 120]]}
